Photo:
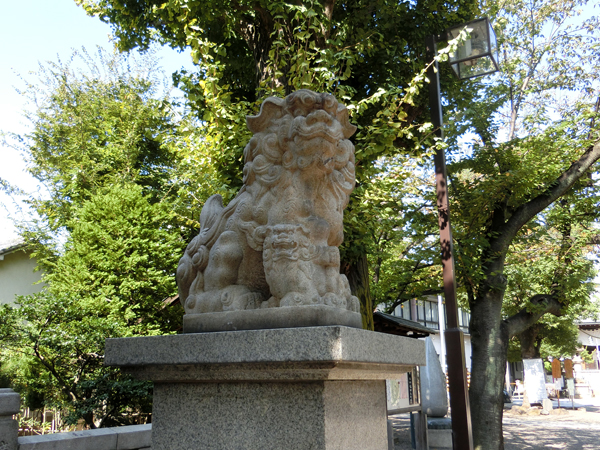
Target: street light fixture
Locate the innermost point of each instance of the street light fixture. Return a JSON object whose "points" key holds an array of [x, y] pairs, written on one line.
{"points": [[478, 55], [475, 57]]}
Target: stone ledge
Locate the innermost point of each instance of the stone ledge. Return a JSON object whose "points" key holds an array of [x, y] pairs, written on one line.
{"points": [[100, 439], [134, 437], [10, 402], [268, 372], [131, 437], [289, 348], [270, 318], [439, 423]]}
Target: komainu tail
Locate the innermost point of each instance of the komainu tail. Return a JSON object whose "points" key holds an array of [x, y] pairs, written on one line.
{"points": [[213, 218]]}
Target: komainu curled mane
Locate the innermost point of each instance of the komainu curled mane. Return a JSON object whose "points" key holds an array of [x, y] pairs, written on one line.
{"points": [[276, 243]]}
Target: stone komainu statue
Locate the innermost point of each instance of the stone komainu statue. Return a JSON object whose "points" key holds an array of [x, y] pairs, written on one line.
{"points": [[276, 243]]}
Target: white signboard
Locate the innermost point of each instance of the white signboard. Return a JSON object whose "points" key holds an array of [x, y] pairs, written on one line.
{"points": [[535, 381], [571, 387], [397, 392]]}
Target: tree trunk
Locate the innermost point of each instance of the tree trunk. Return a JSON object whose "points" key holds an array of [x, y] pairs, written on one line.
{"points": [[489, 340], [489, 332], [89, 420], [530, 345], [490, 335], [358, 277]]}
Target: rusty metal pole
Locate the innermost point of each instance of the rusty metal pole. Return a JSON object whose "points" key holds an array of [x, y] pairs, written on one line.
{"points": [[462, 435]]}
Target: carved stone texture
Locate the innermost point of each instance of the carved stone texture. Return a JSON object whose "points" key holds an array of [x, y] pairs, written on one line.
{"points": [[276, 243]]}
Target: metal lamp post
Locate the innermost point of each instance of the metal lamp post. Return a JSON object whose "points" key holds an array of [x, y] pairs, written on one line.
{"points": [[474, 57]]}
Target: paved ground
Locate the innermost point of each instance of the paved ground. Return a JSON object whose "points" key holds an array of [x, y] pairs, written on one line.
{"points": [[570, 430], [573, 430]]}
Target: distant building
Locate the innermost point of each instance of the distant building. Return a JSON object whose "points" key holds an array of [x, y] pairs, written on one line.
{"points": [[429, 315], [428, 312], [589, 337], [17, 272]]}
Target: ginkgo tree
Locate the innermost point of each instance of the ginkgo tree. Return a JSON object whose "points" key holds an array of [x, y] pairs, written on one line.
{"points": [[248, 50], [525, 194]]}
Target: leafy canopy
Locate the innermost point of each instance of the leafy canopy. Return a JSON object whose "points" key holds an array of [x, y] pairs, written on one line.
{"points": [[105, 144]]}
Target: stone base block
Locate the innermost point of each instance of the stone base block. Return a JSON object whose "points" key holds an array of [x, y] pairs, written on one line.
{"points": [[340, 415], [9, 430], [440, 439], [269, 318], [439, 433], [10, 403], [317, 388]]}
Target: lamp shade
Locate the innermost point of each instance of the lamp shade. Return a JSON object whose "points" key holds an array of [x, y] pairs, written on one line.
{"points": [[478, 55]]}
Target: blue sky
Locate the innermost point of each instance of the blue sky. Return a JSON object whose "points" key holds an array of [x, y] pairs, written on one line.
{"points": [[36, 31]]}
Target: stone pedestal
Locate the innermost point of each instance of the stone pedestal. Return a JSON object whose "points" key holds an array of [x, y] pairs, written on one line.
{"points": [[439, 433], [10, 403], [302, 388]]}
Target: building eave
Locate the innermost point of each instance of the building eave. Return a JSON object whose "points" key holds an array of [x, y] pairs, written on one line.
{"points": [[387, 323], [11, 246]]}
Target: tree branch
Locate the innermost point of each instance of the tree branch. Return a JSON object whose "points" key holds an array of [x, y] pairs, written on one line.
{"points": [[556, 189], [522, 320], [401, 298]]}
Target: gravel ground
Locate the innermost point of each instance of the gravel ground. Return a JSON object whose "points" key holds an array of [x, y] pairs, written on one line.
{"points": [[567, 430], [401, 424], [573, 430]]}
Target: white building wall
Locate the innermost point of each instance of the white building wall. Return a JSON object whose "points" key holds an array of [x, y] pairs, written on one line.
{"points": [[589, 337], [436, 339], [17, 276]]}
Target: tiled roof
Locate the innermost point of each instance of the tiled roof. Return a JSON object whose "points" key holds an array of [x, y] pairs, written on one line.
{"points": [[11, 246], [386, 323], [591, 325]]}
